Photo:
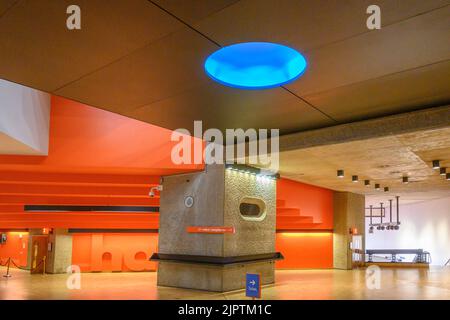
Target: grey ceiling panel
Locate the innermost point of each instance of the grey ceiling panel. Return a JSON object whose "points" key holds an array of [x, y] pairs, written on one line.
{"points": [[406, 45], [6, 5], [304, 24], [223, 107], [400, 92], [163, 69], [144, 59], [192, 11], [37, 49]]}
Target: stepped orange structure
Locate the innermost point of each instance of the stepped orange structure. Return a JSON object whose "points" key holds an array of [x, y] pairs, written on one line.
{"points": [[291, 219]]}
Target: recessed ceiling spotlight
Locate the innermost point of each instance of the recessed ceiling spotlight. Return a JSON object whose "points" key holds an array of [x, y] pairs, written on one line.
{"points": [[354, 178], [367, 183], [386, 189], [442, 171], [340, 173], [405, 180], [436, 164], [377, 186]]}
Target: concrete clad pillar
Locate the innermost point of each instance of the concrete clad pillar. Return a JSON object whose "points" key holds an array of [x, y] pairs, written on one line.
{"points": [[200, 260], [60, 255], [348, 214]]}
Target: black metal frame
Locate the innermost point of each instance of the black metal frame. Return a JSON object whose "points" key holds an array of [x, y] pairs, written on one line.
{"points": [[75, 208]]}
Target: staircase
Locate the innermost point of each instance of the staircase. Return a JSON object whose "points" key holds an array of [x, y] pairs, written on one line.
{"points": [[291, 219]]}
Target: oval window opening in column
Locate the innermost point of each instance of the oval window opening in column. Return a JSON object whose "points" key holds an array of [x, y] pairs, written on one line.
{"points": [[252, 209]]}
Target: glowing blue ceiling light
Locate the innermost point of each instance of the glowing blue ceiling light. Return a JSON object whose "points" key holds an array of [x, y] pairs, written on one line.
{"points": [[255, 65]]}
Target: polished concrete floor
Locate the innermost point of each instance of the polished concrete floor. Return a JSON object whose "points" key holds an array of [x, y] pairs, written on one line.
{"points": [[290, 284]]}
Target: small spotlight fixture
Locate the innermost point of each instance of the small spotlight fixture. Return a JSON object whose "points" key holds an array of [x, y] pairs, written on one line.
{"points": [[367, 183], [442, 171], [340, 173], [447, 176], [377, 186], [405, 180], [436, 164], [386, 189], [354, 178]]}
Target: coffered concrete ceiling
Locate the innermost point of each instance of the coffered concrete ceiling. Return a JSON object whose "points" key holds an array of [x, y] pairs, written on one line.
{"points": [[144, 59], [382, 160]]}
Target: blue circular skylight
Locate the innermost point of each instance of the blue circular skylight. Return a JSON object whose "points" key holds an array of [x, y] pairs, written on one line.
{"points": [[255, 65]]}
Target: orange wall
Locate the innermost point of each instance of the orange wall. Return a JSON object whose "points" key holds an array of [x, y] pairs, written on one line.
{"points": [[16, 248], [305, 250], [301, 250], [95, 158], [313, 248], [311, 200], [114, 251], [87, 139]]}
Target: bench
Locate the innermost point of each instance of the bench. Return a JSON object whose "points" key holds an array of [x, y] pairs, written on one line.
{"points": [[421, 255]]}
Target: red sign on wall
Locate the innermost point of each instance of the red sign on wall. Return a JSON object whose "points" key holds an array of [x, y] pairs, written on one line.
{"points": [[211, 230]]}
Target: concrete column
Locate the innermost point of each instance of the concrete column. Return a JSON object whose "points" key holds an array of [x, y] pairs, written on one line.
{"points": [[60, 255], [202, 260], [348, 214]]}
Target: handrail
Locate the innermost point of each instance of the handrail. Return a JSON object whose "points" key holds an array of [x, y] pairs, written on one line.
{"points": [[447, 263]]}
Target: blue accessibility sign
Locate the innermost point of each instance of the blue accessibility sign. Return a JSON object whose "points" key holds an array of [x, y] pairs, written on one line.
{"points": [[253, 285]]}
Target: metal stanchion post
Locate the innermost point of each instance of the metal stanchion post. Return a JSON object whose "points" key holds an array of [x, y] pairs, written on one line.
{"points": [[43, 269], [7, 275]]}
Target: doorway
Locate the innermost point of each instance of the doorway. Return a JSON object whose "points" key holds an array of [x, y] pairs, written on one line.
{"points": [[38, 253], [357, 251]]}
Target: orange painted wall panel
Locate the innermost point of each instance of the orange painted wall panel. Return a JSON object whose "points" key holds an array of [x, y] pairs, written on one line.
{"points": [[311, 249], [114, 251], [16, 248], [305, 250], [311, 200], [87, 139], [87, 220], [130, 252]]}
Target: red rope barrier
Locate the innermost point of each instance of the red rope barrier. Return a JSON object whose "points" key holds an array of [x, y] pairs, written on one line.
{"points": [[9, 261]]}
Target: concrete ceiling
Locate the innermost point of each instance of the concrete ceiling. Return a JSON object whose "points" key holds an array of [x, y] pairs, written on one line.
{"points": [[383, 160], [144, 59]]}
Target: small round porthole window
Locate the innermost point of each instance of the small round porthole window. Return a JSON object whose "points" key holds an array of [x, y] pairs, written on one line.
{"points": [[252, 209], [189, 201]]}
